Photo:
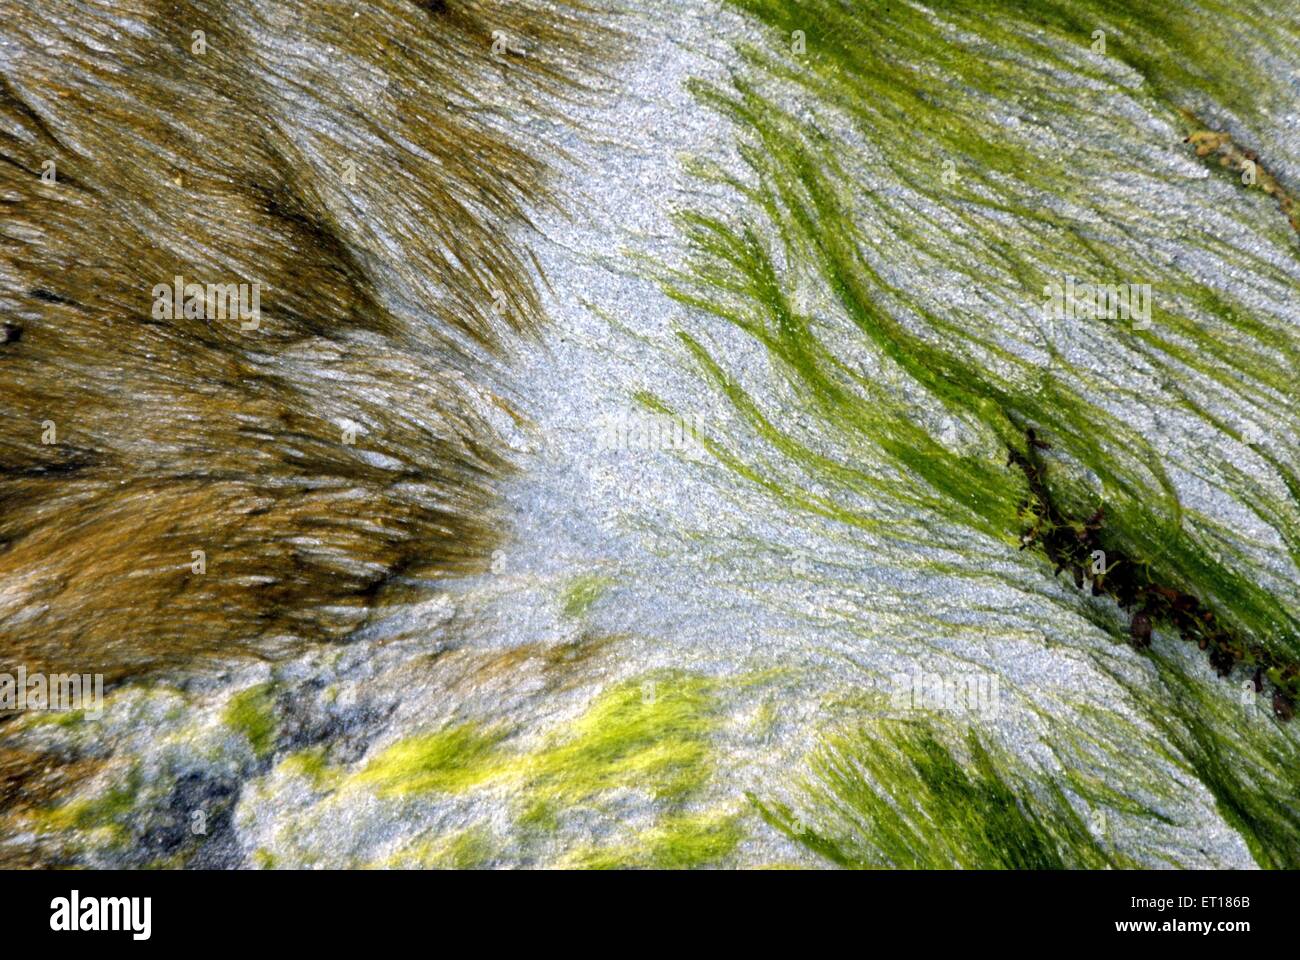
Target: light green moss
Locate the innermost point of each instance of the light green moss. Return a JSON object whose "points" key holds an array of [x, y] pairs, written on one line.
{"points": [[678, 842], [582, 592], [449, 760], [650, 734], [312, 764], [251, 713], [468, 849]]}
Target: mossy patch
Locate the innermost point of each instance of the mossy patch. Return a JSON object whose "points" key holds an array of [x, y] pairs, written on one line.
{"points": [[264, 859], [448, 760], [582, 592], [650, 734], [468, 849], [312, 764], [251, 713], [678, 842], [109, 811], [67, 719]]}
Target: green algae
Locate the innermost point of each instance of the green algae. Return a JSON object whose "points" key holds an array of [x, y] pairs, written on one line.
{"points": [[468, 849], [1243, 756], [678, 842], [582, 592], [313, 764], [264, 859], [449, 760], [650, 733], [108, 812], [251, 713], [967, 366], [896, 795], [908, 154]]}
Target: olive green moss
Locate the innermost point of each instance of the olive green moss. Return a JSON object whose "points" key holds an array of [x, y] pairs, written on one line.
{"points": [[582, 592], [315, 497], [264, 860], [67, 719], [109, 811]]}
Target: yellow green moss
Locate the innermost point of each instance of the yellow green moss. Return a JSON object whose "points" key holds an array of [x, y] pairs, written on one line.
{"points": [[105, 812], [582, 592], [264, 859], [675, 843], [311, 763], [452, 759], [466, 849], [251, 712], [649, 733], [36, 719]]}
